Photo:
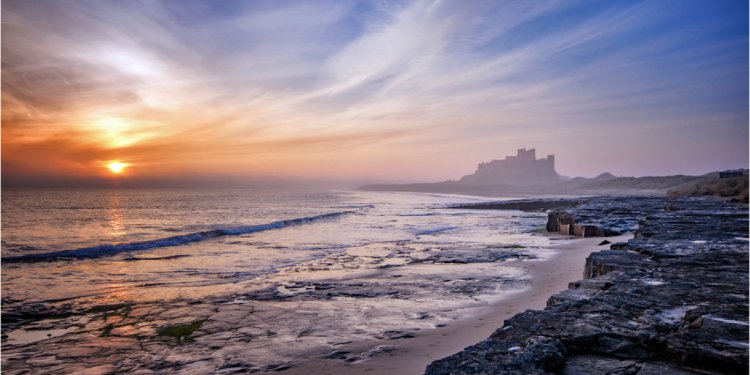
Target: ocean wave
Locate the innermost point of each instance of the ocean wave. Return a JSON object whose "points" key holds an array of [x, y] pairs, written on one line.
{"points": [[433, 231], [359, 206], [435, 214], [111, 249]]}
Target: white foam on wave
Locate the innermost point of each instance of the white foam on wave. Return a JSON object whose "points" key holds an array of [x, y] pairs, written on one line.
{"points": [[433, 231], [111, 249], [724, 320]]}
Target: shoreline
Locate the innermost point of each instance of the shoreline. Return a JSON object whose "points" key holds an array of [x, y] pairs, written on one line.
{"points": [[412, 355], [672, 300]]}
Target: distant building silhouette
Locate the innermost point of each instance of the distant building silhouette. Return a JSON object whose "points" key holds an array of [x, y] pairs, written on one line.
{"points": [[521, 169]]}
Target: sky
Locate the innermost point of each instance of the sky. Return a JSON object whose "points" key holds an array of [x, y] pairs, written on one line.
{"points": [[369, 91]]}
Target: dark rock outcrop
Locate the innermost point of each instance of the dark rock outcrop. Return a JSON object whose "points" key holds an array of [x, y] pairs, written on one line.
{"points": [[603, 216], [521, 205], [674, 300], [583, 217]]}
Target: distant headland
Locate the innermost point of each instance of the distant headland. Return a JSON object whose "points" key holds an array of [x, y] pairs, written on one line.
{"points": [[524, 174]]}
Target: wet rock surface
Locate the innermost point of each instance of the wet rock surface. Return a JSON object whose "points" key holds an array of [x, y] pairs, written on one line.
{"points": [[584, 217], [521, 205], [603, 216], [674, 300]]}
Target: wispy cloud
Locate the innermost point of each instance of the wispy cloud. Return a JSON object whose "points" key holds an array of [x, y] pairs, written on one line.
{"points": [[410, 90]]}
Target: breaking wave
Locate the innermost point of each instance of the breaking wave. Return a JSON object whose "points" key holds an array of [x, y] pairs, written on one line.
{"points": [[433, 231], [111, 249]]}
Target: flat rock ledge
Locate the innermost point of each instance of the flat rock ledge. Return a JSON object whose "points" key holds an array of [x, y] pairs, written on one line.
{"points": [[583, 217], [673, 300]]}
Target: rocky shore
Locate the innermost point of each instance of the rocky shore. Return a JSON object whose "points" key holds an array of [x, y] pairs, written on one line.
{"points": [[673, 300]]}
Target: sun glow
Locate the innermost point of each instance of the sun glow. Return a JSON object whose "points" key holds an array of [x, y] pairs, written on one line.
{"points": [[116, 167], [116, 132]]}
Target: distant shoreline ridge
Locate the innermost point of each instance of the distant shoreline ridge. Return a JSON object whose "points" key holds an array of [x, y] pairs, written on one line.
{"points": [[523, 175]]}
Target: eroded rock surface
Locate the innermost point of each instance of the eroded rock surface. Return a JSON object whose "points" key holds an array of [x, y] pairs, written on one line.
{"points": [[674, 300], [583, 217]]}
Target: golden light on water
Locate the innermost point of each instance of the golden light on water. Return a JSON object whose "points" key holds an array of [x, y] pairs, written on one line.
{"points": [[116, 167]]}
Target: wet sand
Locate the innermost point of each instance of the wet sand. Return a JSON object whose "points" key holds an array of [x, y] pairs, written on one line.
{"points": [[412, 355]]}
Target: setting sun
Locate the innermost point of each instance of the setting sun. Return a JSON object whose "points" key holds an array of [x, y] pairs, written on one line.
{"points": [[116, 167]]}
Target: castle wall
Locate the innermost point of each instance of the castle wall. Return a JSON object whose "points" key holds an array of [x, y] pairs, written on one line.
{"points": [[520, 169]]}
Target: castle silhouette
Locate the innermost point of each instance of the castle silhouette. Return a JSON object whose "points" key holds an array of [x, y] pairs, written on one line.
{"points": [[521, 169]]}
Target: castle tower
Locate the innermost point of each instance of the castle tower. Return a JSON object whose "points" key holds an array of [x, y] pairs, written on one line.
{"points": [[524, 154]]}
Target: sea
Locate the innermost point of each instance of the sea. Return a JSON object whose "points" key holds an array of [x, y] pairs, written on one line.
{"points": [[379, 260]]}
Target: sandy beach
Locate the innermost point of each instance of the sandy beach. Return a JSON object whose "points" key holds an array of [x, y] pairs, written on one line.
{"points": [[411, 356]]}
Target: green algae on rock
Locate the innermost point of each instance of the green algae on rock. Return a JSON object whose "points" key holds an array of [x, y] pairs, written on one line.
{"points": [[180, 332]]}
